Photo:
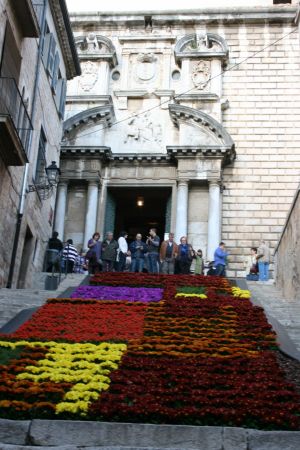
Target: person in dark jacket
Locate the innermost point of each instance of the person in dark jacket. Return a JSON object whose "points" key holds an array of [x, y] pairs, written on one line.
{"points": [[109, 252], [184, 256], [153, 242], [137, 248], [53, 253]]}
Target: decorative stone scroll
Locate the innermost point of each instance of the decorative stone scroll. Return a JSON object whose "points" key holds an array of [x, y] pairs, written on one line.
{"points": [[201, 74]]}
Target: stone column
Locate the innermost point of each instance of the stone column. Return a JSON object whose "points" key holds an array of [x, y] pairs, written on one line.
{"points": [[102, 206], [91, 212], [214, 218], [60, 212], [181, 209]]}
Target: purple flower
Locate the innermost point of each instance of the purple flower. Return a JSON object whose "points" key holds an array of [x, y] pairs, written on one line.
{"points": [[130, 294]]}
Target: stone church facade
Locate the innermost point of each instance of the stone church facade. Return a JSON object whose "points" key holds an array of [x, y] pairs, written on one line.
{"points": [[195, 116]]}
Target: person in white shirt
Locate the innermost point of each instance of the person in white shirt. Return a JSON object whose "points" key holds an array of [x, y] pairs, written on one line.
{"points": [[70, 254], [122, 251]]}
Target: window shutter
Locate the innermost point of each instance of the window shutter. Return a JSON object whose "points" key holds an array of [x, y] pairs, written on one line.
{"points": [[51, 56], [55, 72], [46, 49], [62, 101]]}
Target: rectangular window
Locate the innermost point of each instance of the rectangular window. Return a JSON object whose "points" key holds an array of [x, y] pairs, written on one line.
{"points": [[40, 173], [278, 2]]}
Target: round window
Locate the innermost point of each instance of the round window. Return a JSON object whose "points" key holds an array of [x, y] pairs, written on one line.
{"points": [[115, 75], [176, 75]]}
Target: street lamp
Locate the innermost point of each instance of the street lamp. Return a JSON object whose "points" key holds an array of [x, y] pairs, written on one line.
{"points": [[52, 177]]}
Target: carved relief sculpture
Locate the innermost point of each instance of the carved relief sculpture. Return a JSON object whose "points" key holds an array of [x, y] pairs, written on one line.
{"points": [[143, 130], [146, 66], [201, 74], [89, 75]]}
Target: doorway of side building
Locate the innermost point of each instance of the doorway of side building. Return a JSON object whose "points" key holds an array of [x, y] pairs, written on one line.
{"points": [[137, 209], [25, 260]]}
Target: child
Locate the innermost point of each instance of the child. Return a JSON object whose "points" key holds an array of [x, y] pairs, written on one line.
{"points": [[199, 266]]}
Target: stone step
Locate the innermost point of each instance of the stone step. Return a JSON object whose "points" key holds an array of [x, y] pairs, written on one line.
{"points": [[12, 301], [67, 435]]}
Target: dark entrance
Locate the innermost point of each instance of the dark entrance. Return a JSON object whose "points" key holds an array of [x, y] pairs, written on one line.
{"points": [[154, 213]]}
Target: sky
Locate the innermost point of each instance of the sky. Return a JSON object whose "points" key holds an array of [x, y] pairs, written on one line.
{"points": [[136, 5]]}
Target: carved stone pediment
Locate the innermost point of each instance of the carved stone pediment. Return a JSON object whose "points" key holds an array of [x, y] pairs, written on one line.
{"points": [[96, 47], [205, 46]]}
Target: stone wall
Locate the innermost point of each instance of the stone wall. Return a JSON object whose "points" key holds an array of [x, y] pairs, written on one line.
{"points": [[38, 214], [288, 253]]}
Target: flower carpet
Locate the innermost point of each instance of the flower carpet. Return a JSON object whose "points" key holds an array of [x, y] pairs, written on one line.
{"points": [[172, 349]]}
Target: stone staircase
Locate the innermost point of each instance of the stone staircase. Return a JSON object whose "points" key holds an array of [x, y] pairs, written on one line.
{"points": [[12, 301]]}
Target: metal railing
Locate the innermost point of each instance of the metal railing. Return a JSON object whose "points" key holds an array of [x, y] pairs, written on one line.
{"points": [[12, 104]]}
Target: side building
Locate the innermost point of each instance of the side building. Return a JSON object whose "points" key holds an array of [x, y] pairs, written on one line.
{"points": [[185, 121], [37, 57]]}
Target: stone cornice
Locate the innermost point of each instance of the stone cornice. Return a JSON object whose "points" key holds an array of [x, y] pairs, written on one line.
{"points": [[147, 37], [229, 15], [205, 96], [158, 158], [65, 36], [80, 151], [226, 153], [84, 98]]}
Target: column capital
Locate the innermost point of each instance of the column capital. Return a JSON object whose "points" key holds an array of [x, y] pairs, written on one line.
{"points": [[183, 181], [93, 183], [214, 181], [63, 183]]}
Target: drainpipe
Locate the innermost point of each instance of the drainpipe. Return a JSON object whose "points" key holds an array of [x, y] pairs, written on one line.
{"points": [[22, 199]]}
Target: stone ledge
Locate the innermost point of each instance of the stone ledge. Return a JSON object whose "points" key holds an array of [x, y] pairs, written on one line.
{"points": [[72, 435]]}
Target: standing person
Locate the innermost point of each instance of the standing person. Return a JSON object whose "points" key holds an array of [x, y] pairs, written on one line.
{"points": [[137, 248], [93, 255], [109, 252], [70, 254], [263, 258], [184, 256], [220, 257], [122, 251], [153, 249], [168, 253], [55, 247], [199, 266]]}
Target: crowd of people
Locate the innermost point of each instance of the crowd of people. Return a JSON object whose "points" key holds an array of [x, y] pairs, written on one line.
{"points": [[151, 255]]}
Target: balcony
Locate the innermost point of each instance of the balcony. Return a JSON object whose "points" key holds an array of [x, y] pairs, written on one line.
{"points": [[27, 18], [15, 124]]}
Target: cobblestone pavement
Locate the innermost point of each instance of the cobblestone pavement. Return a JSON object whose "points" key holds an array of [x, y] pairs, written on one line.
{"points": [[286, 311]]}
